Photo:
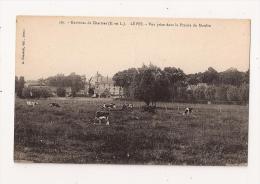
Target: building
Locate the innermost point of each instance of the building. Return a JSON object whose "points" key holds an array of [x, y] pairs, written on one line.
{"points": [[103, 86]]}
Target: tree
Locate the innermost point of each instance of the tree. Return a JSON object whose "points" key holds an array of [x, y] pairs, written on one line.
{"points": [[210, 93], [150, 84], [246, 77], [162, 83], [41, 81], [16, 84], [61, 92], [19, 85], [232, 93], [45, 92], [231, 77], [210, 76], [243, 93], [124, 79], [193, 79], [189, 95], [182, 93], [176, 78], [59, 80], [76, 83], [134, 86], [91, 91], [36, 92], [105, 93], [221, 93], [146, 88], [199, 92]]}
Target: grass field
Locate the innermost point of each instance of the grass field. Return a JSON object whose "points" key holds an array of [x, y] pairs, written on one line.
{"points": [[212, 135]]}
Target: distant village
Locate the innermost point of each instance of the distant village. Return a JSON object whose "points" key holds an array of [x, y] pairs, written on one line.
{"points": [[102, 87], [148, 84]]}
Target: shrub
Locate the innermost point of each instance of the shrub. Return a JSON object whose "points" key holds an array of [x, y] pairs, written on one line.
{"points": [[221, 93], [36, 92], [232, 93], [61, 92], [210, 93], [199, 93], [243, 94], [105, 94]]}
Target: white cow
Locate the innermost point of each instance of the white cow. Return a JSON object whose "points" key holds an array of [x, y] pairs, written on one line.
{"points": [[109, 106], [32, 103], [187, 111], [102, 116]]}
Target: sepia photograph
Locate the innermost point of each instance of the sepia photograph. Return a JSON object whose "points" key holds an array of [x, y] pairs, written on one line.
{"points": [[131, 90]]}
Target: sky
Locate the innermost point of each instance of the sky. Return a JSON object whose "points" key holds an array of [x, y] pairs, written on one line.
{"points": [[84, 45]]}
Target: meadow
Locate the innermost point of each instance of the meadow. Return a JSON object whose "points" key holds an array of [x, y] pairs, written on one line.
{"points": [[211, 135]]}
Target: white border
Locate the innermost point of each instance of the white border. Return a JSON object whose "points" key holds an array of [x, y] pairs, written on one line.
{"points": [[11, 173]]}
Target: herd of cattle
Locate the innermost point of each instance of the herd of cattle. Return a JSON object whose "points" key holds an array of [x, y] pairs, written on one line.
{"points": [[102, 116]]}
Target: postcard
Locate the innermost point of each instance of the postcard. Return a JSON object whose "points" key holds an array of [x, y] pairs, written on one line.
{"points": [[132, 90]]}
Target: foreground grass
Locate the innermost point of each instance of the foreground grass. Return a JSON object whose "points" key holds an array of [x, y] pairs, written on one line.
{"points": [[212, 135]]}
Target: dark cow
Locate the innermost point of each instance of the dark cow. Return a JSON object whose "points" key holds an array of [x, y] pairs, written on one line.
{"points": [[54, 104], [187, 111], [148, 108], [102, 116], [109, 106]]}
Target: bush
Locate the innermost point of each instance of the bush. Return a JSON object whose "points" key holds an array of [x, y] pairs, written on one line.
{"points": [[221, 93], [80, 95], [36, 92], [61, 92], [244, 93], [105, 94], [210, 93], [182, 93], [232, 93], [199, 93], [91, 91], [148, 108]]}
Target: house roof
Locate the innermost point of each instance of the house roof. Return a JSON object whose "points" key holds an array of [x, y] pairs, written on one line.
{"points": [[34, 83]]}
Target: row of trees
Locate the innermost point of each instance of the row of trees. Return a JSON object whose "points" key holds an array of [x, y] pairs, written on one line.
{"points": [[74, 81], [213, 93], [151, 84], [41, 92]]}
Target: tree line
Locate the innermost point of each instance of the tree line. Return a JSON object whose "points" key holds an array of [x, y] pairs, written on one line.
{"points": [[150, 84], [73, 81]]}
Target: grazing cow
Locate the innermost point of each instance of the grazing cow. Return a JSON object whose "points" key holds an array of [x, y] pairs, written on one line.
{"points": [[54, 104], [32, 103], [102, 116], [127, 106], [148, 108], [187, 111], [109, 106]]}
